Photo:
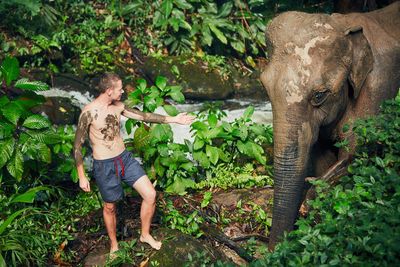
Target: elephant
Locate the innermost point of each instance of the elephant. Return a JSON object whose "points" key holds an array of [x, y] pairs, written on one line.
{"points": [[324, 71]]}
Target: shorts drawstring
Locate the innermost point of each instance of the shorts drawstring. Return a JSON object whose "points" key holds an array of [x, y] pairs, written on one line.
{"points": [[116, 166]]}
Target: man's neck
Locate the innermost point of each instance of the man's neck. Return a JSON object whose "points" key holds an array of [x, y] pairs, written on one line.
{"points": [[104, 99]]}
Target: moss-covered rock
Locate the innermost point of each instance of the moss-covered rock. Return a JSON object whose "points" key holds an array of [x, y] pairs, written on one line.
{"points": [[197, 82], [177, 247]]}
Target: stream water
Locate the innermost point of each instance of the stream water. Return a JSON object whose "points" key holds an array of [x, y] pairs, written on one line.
{"points": [[234, 108]]}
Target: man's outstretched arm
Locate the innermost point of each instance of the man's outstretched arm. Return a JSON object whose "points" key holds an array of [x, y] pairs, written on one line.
{"points": [[181, 118], [81, 133]]}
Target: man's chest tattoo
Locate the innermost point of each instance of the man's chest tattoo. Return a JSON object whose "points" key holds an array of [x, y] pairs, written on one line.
{"points": [[111, 129]]}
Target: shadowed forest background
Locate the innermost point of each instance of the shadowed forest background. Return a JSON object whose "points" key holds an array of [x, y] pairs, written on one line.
{"points": [[214, 190]]}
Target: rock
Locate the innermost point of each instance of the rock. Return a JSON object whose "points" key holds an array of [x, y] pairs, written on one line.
{"points": [[59, 110], [248, 86], [70, 82], [196, 82], [259, 196], [176, 247]]}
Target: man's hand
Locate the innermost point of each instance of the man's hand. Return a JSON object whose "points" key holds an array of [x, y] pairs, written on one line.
{"points": [[184, 118], [84, 184]]}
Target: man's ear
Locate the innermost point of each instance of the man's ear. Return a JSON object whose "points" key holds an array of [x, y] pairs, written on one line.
{"points": [[109, 91], [362, 59]]}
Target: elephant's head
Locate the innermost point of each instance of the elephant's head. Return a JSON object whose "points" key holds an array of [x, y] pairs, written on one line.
{"points": [[316, 71]]}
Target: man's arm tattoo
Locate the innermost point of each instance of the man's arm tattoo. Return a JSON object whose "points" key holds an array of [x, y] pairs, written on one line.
{"points": [[80, 136], [148, 117]]}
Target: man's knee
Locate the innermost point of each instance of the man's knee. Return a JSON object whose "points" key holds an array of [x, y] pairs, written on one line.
{"points": [[109, 208], [150, 196]]}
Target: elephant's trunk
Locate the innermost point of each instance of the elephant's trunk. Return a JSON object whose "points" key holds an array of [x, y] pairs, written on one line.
{"points": [[291, 149]]}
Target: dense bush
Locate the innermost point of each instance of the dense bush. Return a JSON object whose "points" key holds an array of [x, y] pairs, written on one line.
{"points": [[358, 221], [93, 36]]}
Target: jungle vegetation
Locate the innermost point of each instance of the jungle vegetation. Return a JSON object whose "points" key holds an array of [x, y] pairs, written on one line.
{"points": [[40, 204]]}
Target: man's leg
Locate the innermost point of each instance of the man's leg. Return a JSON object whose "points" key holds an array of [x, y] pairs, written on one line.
{"points": [[146, 190], [110, 219]]}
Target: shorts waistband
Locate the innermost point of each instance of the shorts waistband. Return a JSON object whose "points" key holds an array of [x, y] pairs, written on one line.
{"points": [[111, 159]]}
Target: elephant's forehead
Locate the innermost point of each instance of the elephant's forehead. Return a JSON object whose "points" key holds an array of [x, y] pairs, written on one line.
{"points": [[303, 51]]}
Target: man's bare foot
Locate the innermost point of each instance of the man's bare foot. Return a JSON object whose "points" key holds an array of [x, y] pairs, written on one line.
{"points": [[151, 241], [113, 249]]}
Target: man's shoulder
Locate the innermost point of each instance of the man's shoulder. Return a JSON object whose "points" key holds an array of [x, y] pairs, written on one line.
{"points": [[119, 104]]}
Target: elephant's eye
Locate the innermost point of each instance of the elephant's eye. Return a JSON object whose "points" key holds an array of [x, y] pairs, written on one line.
{"points": [[319, 97]]}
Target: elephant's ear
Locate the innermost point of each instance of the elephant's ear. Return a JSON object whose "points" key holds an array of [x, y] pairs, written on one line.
{"points": [[362, 60]]}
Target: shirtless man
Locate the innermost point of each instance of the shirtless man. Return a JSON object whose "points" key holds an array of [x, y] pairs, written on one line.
{"points": [[112, 163]]}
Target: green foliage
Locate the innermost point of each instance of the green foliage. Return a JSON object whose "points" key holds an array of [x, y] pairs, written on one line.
{"points": [[229, 176], [357, 218], [31, 239], [215, 143], [163, 159], [23, 135], [187, 224], [9, 243], [128, 251]]}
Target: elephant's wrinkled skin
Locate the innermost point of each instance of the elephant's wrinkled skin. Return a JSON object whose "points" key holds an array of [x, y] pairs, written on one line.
{"points": [[325, 71]]}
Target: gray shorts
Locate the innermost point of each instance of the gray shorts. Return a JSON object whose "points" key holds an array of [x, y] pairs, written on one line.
{"points": [[110, 172]]}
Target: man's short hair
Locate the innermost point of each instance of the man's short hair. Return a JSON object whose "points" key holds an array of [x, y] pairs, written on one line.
{"points": [[107, 81]]}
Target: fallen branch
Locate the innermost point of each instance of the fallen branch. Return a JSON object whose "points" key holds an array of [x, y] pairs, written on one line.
{"points": [[216, 234]]}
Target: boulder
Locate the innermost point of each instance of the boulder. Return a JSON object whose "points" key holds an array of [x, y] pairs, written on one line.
{"points": [[177, 247], [248, 86], [59, 110]]}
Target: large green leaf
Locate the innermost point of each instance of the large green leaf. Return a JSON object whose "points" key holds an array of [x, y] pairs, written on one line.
{"points": [[4, 100], [36, 122], [31, 85], [226, 9], [202, 158], [212, 154], [248, 112], [198, 143], [179, 185], [160, 170], [171, 110], [161, 133], [220, 35], [12, 112], [161, 82], [238, 46], [10, 69], [28, 196], [212, 120], [15, 165], [183, 4], [6, 150], [141, 138], [6, 129], [43, 153], [252, 150], [177, 96], [166, 7], [46, 136]]}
